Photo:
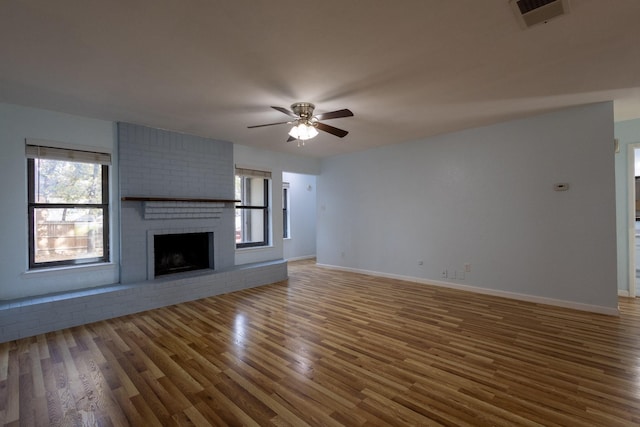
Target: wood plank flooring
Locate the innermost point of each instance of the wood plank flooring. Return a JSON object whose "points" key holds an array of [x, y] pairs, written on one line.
{"points": [[332, 348]]}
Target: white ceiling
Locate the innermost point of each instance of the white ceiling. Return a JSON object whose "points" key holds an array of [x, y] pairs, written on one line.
{"points": [[408, 69]]}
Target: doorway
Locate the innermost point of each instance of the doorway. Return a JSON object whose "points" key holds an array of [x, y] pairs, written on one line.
{"points": [[634, 218]]}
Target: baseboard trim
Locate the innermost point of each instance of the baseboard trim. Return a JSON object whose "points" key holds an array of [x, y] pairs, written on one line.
{"points": [[623, 293], [493, 292]]}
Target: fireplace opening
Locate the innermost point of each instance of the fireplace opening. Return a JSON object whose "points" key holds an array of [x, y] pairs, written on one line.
{"points": [[177, 253]]}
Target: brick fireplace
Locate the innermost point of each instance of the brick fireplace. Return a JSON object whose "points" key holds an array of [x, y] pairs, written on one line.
{"points": [[172, 184]]}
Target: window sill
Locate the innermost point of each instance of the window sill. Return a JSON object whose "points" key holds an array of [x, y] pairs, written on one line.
{"points": [[60, 271], [254, 248]]}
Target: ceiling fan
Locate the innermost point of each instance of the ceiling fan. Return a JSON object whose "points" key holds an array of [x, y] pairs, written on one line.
{"points": [[305, 124]]}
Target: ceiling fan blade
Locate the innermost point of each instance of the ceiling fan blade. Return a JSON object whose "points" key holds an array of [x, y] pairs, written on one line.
{"points": [[268, 124], [285, 111], [332, 130], [335, 114]]}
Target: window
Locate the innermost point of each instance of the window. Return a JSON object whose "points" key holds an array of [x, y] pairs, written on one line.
{"points": [[286, 230], [252, 213], [68, 206]]}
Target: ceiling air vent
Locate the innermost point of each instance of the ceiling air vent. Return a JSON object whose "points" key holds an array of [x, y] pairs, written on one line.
{"points": [[532, 12]]}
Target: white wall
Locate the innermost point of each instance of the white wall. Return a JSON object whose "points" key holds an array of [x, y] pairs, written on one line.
{"points": [[276, 163], [302, 216], [627, 133], [16, 124], [484, 197]]}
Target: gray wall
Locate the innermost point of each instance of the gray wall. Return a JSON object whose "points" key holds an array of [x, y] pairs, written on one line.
{"points": [[483, 197], [160, 163]]}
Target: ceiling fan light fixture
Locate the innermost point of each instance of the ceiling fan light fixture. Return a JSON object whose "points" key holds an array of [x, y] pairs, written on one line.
{"points": [[303, 131], [306, 125]]}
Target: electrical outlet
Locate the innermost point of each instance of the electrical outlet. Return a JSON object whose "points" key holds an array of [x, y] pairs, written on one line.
{"points": [[443, 274], [467, 268]]}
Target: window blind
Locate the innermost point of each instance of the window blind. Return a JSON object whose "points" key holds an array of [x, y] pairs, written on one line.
{"points": [[253, 173], [54, 153]]}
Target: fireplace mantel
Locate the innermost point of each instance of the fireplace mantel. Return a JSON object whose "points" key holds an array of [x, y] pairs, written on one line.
{"points": [[180, 208], [175, 199]]}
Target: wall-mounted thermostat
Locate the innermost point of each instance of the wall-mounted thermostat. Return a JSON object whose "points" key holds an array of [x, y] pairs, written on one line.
{"points": [[561, 186]]}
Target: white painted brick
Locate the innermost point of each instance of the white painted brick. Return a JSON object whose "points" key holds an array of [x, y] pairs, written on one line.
{"points": [[158, 163]]}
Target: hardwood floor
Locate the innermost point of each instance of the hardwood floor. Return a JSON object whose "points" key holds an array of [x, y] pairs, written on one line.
{"points": [[332, 348]]}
